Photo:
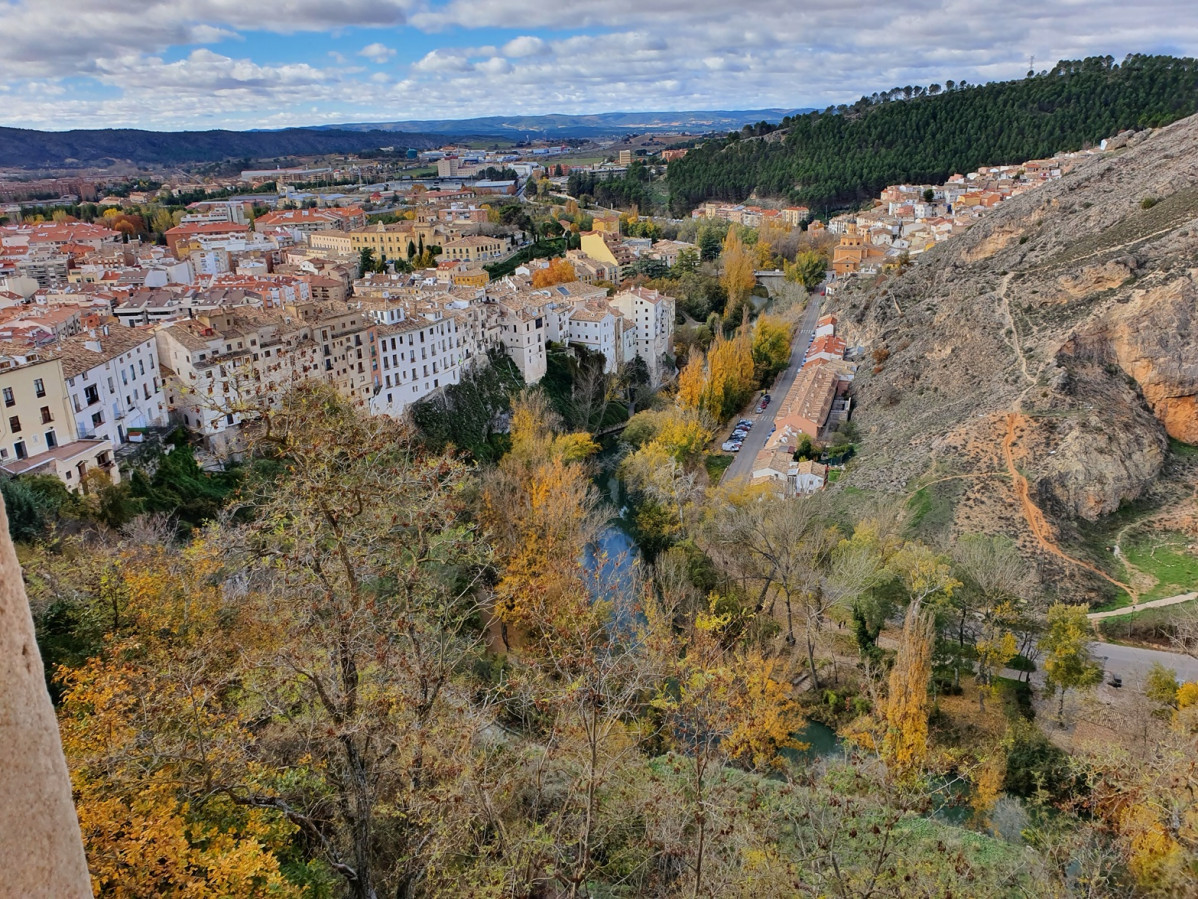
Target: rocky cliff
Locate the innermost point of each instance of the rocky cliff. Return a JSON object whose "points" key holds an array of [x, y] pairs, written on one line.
{"points": [[1069, 314]]}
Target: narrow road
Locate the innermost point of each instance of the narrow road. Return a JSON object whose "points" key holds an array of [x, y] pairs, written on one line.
{"points": [[1132, 663], [1139, 607], [742, 466]]}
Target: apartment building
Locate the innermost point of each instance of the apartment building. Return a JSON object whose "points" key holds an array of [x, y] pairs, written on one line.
{"points": [[37, 424], [652, 313], [114, 383], [418, 354], [477, 249], [220, 368]]}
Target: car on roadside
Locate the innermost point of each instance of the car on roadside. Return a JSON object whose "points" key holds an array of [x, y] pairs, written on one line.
{"points": [[744, 423], [731, 446]]}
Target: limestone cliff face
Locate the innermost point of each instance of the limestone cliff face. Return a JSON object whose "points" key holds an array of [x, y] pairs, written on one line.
{"points": [[1074, 305], [1154, 338], [41, 853]]}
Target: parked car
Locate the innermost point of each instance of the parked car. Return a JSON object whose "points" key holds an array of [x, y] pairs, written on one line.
{"points": [[731, 446], [761, 406]]}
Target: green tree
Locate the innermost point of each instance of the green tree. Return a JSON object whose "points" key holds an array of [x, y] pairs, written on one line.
{"points": [[1067, 660], [808, 269]]}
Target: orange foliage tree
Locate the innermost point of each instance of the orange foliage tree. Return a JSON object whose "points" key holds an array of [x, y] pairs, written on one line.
{"points": [[560, 271]]}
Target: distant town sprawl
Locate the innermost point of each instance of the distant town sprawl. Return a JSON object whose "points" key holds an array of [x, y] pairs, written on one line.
{"points": [[103, 339]]}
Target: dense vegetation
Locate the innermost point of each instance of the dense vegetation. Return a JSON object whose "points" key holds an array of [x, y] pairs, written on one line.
{"points": [[393, 673], [625, 191], [847, 154]]}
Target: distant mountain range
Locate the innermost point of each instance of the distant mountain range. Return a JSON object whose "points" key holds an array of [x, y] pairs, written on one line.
{"points": [[599, 125], [21, 148]]}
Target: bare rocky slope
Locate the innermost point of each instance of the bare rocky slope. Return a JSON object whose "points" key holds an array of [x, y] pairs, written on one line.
{"points": [[1055, 340]]}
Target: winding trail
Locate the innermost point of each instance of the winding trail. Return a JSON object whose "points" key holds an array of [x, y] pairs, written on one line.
{"points": [[1035, 518]]}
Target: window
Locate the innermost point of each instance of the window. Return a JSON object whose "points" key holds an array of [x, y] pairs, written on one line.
{"points": [[9, 399], [14, 424], [39, 387], [46, 416], [97, 419]]}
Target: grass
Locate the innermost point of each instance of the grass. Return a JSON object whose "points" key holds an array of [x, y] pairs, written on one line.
{"points": [[1184, 450], [834, 475], [932, 508], [716, 464], [1166, 558]]}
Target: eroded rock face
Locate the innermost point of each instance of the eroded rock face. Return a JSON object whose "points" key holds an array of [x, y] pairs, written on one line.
{"points": [[1073, 306], [1104, 452], [1154, 338]]}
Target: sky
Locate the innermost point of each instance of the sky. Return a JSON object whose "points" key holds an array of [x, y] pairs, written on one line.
{"points": [[184, 64]]}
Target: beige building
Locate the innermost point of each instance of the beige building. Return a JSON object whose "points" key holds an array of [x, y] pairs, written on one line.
{"points": [[220, 368], [337, 242], [37, 425], [476, 249]]}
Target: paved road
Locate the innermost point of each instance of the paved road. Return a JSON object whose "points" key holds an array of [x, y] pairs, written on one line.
{"points": [[1133, 663], [1154, 604], [742, 466]]}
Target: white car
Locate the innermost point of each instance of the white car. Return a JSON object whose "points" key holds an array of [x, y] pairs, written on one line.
{"points": [[731, 446]]}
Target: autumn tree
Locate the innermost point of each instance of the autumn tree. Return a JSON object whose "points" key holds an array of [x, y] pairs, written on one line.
{"points": [[738, 275], [559, 271], [152, 735], [1066, 644], [363, 581], [905, 744], [729, 707], [771, 348], [808, 269]]}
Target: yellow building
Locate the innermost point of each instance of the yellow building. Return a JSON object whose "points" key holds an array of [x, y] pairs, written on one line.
{"points": [[37, 425]]}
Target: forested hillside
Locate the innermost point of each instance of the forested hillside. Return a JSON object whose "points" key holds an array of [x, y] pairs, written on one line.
{"points": [[849, 153], [31, 149]]}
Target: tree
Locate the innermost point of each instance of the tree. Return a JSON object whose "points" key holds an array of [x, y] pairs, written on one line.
{"points": [[366, 260], [559, 271], [1066, 644], [771, 349], [905, 744], [710, 241], [727, 707], [362, 582], [738, 277], [687, 262], [808, 269]]}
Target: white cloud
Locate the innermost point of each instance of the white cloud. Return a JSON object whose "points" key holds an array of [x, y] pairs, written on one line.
{"points": [[120, 56], [525, 45], [377, 53]]}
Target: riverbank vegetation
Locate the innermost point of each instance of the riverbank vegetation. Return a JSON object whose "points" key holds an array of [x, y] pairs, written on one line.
{"points": [[379, 667]]}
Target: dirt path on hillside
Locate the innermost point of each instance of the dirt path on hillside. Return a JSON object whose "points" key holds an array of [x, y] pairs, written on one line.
{"points": [[1036, 522], [1010, 317]]}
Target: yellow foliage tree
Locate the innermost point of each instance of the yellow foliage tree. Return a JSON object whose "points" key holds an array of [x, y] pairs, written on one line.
{"points": [[145, 724], [770, 348], [738, 277], [692, 382], [905, 744], [560, 271]]}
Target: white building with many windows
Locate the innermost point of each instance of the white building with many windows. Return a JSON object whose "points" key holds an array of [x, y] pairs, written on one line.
{"points": [[418, 355], [114, 384]]}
